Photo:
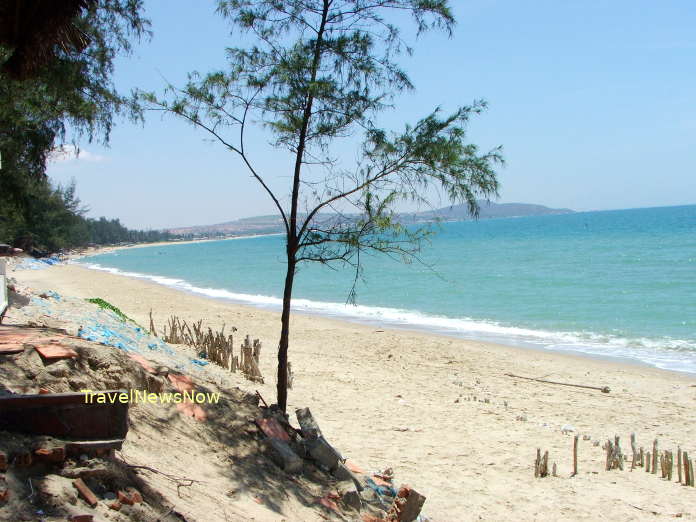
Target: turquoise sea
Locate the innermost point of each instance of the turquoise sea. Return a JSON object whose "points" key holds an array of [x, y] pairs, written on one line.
{"points": [[618, 284]]}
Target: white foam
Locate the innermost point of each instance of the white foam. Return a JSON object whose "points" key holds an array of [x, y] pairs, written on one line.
{"points": [[668, 354]]}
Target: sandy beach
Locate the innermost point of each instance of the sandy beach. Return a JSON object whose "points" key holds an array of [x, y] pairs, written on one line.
{"points": [[441, 411]]}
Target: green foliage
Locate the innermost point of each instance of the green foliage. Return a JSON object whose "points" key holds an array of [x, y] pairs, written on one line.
{"points": [[105, 305], [321, 71]]}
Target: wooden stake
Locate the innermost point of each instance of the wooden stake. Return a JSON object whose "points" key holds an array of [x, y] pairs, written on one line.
{"points": [[687, 471], [554, 470], [618, 456], [663, 466], [610, 453], [633, 450], [537, 463], [654, 457], [691, 473], [647, 462], [642, 458], [679, 464], [575, 455]]}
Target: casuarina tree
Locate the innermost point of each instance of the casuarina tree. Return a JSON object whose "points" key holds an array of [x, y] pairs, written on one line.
{"points": [[316, 75]]}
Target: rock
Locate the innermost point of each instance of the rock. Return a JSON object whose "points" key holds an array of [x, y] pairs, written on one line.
{"points": [[323, 452], [343, 473], [352, 499], [284, 456]]}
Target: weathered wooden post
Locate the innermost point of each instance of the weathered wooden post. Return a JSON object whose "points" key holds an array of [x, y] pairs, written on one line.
{"points": [[575, 455], [679, 464]]}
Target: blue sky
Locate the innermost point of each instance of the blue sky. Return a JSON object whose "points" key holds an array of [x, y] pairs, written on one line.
{"points": [[594, 103]]}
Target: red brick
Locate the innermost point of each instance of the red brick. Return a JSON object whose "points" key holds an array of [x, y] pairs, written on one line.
{"points": [[43, 391], [135, 495], [3, 461], [328, 503], [51, 455], [142, 362], [352, 466], [85, 492], [124, 498], [272, 428], [380, 481], [183, 383], [192, 410], [15, 338], [11, 349], [4, 494], [54, 352], [115, 505]]}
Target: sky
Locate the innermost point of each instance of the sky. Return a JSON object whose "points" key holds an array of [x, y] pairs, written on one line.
{"points": [[594, 103]]}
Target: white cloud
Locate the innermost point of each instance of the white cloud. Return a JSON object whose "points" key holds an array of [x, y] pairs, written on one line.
{"points": [[71, 153]]}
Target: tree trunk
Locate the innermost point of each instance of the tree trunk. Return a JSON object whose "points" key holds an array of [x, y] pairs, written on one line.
{"points": [[285, 336]]}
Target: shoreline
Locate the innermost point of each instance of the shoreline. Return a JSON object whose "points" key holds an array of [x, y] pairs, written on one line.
{"points": [[314, 309], [441, 410]]}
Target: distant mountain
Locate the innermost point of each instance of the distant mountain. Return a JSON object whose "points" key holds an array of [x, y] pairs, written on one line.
{"points": [[489, 210], [273, 224]]}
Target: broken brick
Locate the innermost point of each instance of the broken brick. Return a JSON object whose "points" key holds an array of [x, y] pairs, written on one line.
{"points": [[135, 495], [183, 383], [4, 494], [192, 410], [272, 429], [124, 498], [352, 466], [43, 391], [55, 352], [143, 362], [11, 349], [85, 492], [328, 503], [3, 461], [115, 505], [380, 481], [51, 455], [407, 505]]}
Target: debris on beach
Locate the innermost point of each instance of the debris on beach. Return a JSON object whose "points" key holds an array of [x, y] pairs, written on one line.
{"points": [[66, 436]]}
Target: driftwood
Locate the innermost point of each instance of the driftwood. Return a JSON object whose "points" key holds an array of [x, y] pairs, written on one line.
{"points": [[603, 389]]}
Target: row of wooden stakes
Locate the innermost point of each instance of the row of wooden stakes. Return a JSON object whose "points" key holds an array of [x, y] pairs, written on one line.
{"points": [[215, 346], [651, 461], [664, 461]]}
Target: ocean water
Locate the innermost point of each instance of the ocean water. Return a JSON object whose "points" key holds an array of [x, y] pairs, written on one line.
{"points": [[618, 284]]}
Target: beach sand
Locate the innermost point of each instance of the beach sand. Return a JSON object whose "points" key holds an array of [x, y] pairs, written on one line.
{"points": [[441, 411]]}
